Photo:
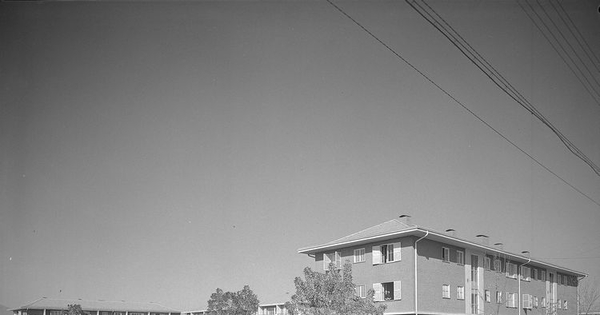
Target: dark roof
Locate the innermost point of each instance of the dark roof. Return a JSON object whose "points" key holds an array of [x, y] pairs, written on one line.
{"points": [[98, 305], [396, 228]]}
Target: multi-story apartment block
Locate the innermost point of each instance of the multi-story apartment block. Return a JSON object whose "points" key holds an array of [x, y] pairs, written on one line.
{"points": [[414, 270]]}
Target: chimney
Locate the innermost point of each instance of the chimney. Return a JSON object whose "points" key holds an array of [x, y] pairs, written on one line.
{"points": [[451, 232], [483, 239], [405, 218]]}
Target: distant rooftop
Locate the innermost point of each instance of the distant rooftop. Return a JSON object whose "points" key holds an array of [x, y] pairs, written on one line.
{"points": [[96, 305]]}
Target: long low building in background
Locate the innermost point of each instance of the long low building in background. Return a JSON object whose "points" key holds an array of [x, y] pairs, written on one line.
{"points": [[46, 306], [263, 309]]}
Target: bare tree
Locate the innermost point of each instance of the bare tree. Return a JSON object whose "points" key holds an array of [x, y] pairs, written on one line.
{"points": [[589, 298]]}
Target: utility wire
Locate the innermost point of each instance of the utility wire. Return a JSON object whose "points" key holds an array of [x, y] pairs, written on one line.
{"points": [[469, 52], [456, 100], [589, 52], [584, 66], [579, 73]]}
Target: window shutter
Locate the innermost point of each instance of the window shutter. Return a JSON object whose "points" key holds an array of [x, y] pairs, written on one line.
{"points": [[397, 251], [378, 288], [376, 255], [326, 261], [397, 289], [338, 260]]}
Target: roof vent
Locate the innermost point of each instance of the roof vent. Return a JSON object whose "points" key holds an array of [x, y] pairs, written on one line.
{"points": [[405, 218], [483, 239], [451, 232], [499, 246]]}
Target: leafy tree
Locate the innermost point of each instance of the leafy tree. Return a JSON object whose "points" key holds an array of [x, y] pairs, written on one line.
{"points": [[330, 293], [243, 302], [74, 309]]}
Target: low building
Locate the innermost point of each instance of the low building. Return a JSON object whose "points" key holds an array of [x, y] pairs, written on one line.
{"points": [[263, 309], [414, 270], [45, 306]]}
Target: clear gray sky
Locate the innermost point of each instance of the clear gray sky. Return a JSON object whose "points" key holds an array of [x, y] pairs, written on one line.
{"points": [[154, 151]]}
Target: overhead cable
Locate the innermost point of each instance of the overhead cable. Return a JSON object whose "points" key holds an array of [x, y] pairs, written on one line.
{"points": [[457, 101]]}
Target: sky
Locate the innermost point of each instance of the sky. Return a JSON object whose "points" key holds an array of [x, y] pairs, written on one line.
{"points": [[156, 151]]}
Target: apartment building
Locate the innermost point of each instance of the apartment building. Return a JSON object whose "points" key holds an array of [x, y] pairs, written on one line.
{"points": [[414, 270], [46, 306]]}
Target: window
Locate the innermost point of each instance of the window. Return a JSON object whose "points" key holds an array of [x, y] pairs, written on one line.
{"points": [[488, 296], [387, 291], [487, 263], [387, 253], [543, 275], [335, 258], [565, 305], [511, 270], [525, 273], [446, 291], [535, 302], [511, 299], [360, 291], [54, 312], [359, 255], [460, 257], [460, 292], [445, 254], [497, 265], [559, 304], [543, 302], [534, 274], [527, 301], [499, 297]]}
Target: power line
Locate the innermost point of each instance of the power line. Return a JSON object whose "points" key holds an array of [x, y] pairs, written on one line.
{"points": [[589, 52], [466, 49], [579, 73], [456, 100]]}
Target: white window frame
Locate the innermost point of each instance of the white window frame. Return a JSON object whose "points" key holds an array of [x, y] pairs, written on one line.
{"points": [[460, 292], [395, 253], [445, 254], [335, 257], [498, 265], [543, 275], [359, 255], [361, 291], [527, 301], [511, 300], [460, 257], [487, 263], [499, 297], [511, 270], [380, 294], [488, 296], [543, 302], [525, 273], [565, 305], [445, 291]]}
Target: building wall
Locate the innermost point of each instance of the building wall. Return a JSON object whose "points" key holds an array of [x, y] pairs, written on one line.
{"points": [[366, 273], [434, 273], [480, 282]]}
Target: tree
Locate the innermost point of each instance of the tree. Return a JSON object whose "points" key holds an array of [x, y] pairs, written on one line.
{"points": [[74, 309], [589, 298], [330, 293], [243, 302]]}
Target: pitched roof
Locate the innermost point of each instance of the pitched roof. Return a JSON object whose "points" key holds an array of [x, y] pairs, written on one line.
{"points": [[386, 228], [97, 305], [396, 228]]}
